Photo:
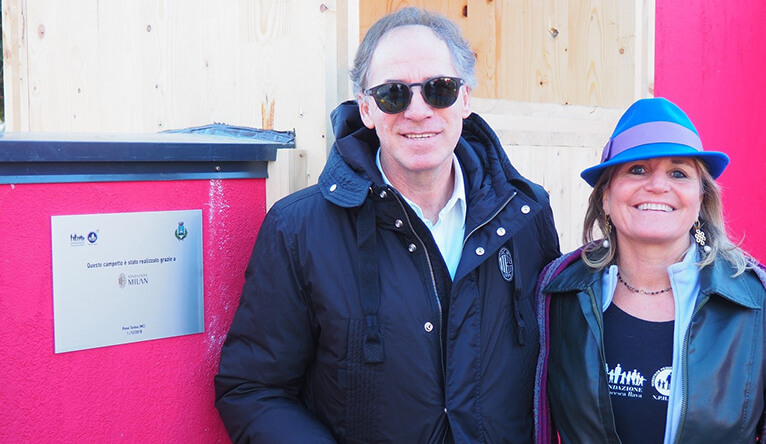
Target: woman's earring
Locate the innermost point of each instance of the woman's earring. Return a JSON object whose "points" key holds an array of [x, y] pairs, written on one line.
{"points": [[699, 236], [607, 232]]}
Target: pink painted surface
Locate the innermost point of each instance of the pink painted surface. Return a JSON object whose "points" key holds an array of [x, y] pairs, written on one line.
{"points": [[153, 391], [711, 61]]}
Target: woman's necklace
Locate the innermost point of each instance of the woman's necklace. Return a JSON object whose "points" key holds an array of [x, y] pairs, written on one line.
{"points": [[638, 290]]}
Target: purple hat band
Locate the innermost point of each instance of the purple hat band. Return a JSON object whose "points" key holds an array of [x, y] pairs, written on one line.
{"points": [[651, 132]]}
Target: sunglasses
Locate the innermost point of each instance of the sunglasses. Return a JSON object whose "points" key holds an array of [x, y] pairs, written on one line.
{"points": [[395, 97]]}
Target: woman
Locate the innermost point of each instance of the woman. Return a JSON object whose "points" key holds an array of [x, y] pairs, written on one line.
{"points": [[655, 332]]}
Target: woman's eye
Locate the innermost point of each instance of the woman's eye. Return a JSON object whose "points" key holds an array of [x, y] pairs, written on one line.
{"points": [[677, 174], [637, 169]]}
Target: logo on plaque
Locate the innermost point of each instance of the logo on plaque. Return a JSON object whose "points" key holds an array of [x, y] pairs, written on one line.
{"points": [[181, 232], [76, 240]]}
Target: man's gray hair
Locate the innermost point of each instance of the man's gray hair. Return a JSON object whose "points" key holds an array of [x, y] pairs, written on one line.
{"points": [[462, 55]]}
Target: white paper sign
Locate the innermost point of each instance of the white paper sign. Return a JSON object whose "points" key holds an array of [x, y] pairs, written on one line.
{"points": [[128, 277]]}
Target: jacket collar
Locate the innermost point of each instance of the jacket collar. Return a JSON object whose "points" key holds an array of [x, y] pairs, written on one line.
{"points": [[715, 280], [575, 277]]}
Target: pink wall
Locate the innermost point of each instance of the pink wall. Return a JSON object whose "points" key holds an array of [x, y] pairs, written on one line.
{"points": [[711, 61], [154, 391]]}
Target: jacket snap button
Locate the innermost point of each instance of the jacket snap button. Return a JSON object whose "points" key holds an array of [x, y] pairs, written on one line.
{"points": [[525, 209], [333, 187], [398, 223], [411, 248], [428, 327], [480, 251], [501, 231], [383, 194]]}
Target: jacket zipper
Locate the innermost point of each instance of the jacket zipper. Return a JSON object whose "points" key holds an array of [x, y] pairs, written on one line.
{"points": [[600, 321], [433, 278], [598, 313], [684, 367], [433, 284], [436, 297]]}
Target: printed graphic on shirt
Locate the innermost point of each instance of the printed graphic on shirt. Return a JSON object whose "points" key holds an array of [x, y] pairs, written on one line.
{"points": [[661, 383], [622, 383], [631, 383], [639, 354]]}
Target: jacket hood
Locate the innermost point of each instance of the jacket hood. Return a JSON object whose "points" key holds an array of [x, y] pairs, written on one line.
{"points": [[351, 168]]}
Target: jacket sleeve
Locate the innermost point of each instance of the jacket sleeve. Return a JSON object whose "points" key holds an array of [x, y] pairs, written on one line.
{"points": [[268, 349]]}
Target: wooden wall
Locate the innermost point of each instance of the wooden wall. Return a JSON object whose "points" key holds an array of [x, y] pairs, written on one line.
{"points": [[577, 52], [151, 65]]}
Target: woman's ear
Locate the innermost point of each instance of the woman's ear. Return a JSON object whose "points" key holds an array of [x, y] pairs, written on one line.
{"points": [[605, 201]]}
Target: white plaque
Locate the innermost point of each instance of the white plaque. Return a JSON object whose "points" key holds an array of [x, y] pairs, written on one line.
{"points": [[127, 277]]}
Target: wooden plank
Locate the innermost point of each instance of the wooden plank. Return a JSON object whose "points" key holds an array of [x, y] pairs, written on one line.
{"points": [[15, 65], [542, 124], [371, 11], [299, 72], [532, 44], [645, 35], [286, 175], [478, 23]]}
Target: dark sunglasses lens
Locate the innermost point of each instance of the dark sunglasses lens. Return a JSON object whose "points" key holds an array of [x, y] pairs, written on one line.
{"points": [[441, 92], [392, 98]]}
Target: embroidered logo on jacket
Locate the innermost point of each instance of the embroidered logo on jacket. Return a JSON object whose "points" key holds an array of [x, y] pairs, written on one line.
{"points": [[505, 262]]}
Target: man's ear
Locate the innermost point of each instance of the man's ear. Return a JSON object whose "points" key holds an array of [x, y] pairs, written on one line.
{"points": [[466, 102], [365, 111]]}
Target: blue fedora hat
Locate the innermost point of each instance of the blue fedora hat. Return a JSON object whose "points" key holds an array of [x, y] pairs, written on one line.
{"points": [[652, 128]]}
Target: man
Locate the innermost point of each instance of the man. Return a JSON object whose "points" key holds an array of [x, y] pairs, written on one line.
{"points": [[393, 301]]}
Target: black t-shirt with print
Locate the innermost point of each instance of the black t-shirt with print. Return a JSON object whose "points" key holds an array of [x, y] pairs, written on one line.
{"points": [[639, 355]]}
